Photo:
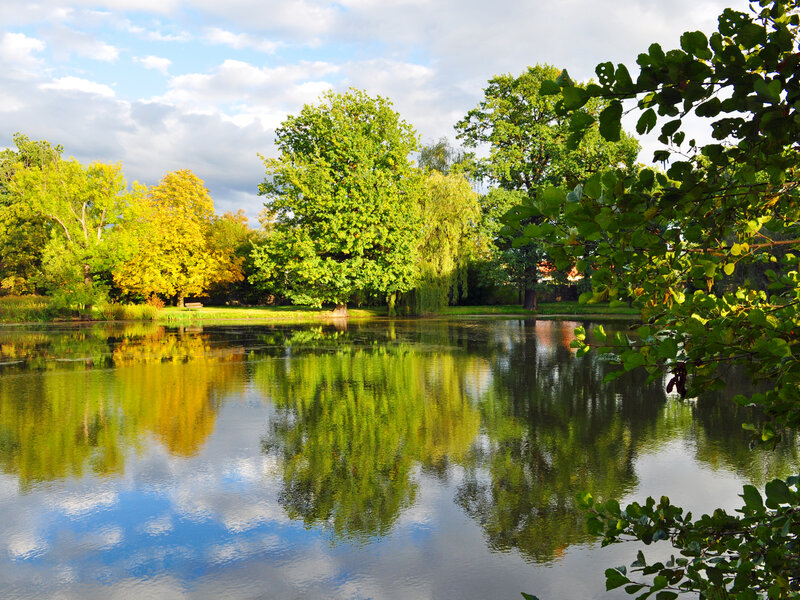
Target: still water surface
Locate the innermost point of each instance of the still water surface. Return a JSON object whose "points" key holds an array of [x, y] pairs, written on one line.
{"points": [[385, 460]]}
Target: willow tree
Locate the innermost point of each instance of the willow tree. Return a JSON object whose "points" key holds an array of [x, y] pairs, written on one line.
{"points": [[343, 198], [527, 140], [451, 214]]}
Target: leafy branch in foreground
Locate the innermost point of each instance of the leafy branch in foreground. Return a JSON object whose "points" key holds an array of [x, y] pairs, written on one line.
{"points": [[709, 252], [747, 556]]}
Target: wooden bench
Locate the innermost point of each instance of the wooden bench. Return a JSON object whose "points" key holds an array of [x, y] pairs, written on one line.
{"points": [[193, 305]]}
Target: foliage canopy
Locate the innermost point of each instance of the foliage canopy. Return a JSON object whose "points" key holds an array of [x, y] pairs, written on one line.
{"points": [[679, 244], [343, 199]]}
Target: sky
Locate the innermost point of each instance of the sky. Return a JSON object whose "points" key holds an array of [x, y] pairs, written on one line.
{"points": [[160, 85]]}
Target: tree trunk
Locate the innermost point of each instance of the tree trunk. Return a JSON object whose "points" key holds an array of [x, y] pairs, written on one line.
{"points": [[181, 298], [391, 301], [340, 310], [87, 281], [531, 302]]}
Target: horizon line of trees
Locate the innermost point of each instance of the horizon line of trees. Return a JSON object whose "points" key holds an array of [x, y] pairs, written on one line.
{"points": [[348, 216]]}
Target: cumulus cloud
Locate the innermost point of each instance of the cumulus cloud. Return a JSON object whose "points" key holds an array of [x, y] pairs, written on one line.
{"points": [[18, 54], [156, 63], [66, 42], [240, 41], [77, 84], [216, 113]]}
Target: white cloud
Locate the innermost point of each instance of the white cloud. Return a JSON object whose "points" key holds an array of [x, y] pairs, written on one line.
{"points": [[239, 41], [17, 54], [77, 84], [158, 36], [247, 94], [66, 42], [156, 63]]}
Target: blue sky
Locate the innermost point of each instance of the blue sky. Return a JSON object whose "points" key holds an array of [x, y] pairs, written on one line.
{"points": [[161, 85]]}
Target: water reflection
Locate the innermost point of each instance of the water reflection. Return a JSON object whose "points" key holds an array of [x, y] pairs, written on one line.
{"points": [[146, 452], [353, 425]]}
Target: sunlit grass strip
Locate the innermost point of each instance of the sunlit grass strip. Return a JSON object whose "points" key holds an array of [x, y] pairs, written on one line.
{"points": [[124, 312], [260, 313]]}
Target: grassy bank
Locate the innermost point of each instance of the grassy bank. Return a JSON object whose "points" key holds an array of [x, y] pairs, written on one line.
{"points": [[258, 313], [565, 308], [41, 309]]}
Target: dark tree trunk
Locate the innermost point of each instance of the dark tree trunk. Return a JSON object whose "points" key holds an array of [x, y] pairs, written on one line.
{"points": [[340, 310], [530, 302]]}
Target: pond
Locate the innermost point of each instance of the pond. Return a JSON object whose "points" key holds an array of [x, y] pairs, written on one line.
{"points": [[387, 459]]}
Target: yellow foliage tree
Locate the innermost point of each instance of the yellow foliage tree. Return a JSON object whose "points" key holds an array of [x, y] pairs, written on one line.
{"points": [[181, 258]]}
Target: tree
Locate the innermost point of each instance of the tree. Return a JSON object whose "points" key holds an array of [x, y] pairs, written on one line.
{"points": [[87, 207], [441, 156], [181, 257], [448, 241], [526, 138], [23, 232], [344, 199], [231, 236], [675, 242]]}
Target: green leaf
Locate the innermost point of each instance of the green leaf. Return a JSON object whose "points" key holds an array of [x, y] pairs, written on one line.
{"points": [[752, 498], [574, 97], [554, 197], [714, 576], [579, 121], [593, 187], [777, 493], [729, 267], [549, 88], [615, 579], [668, 348], [695, 42], [646, 122], [529, 596], [610, 116], [770, 91]]}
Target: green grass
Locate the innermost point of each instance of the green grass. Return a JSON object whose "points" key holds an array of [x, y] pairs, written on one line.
{"points": [[564, 308], [17, 309], [27, 309], [574, 308], [259, 313], [42, 309]]}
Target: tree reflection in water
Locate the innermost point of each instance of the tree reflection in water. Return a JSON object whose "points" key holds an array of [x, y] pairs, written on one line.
{"points": [[80, 418], [500, 410]]}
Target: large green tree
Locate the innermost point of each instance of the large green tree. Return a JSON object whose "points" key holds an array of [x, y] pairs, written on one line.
{"points": [[676, 242], [24, 233], [527, 149], [88, 207], [186, 252], [343, 199]]}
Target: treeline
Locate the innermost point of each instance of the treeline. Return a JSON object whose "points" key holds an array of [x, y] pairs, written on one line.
{"points": [[349, 216]]}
